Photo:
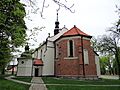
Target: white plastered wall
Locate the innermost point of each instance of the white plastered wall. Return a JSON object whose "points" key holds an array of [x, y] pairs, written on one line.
{"points": [[48, 60], [97, 65], [48, 54], [24, 69]]}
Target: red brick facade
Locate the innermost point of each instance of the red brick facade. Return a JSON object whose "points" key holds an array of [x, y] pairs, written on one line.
{"points": [[73, 66]]}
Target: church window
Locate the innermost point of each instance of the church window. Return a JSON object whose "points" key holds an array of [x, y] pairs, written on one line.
{"points": [[57, 53], [86, 60], [70, 48], [36, 53], [41, 54], [22, 62]]}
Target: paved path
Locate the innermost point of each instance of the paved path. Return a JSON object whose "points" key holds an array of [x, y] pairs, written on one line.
{"points": [[10, 78], [109, 76], [37, 84]]}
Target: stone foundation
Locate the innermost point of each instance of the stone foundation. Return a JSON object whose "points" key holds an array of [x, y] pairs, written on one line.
{"points": [[90, 77]]}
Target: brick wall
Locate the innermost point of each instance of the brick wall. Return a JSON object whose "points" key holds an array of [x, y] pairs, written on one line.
{"points": [[65, 65]]}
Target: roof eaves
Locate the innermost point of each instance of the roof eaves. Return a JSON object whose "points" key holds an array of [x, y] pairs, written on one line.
{"points": [[73, 36]]}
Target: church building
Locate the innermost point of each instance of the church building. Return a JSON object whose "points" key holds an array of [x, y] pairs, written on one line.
{"points": [[66, 54]]}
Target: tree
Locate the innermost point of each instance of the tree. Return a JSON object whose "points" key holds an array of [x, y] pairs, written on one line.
{"points": [[106, 58], [4, 55], [110, 44], [106, 64], [12, 28], [103, 64], [95, 44], [115, 69]]}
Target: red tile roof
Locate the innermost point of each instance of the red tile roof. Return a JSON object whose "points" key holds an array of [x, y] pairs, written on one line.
{"points": [[75, 31], [38, 62]]}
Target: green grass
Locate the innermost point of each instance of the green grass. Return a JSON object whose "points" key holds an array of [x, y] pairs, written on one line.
{"points": [[70, 84], [82, 88], [10, 85], [52, 80], [25, 79]]}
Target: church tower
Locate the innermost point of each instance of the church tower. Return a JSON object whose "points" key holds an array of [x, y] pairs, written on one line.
{"points": [[56, 30]]}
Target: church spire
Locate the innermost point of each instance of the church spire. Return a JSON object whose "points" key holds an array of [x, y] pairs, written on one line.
{"points": [[57, 16], [56, 30]]}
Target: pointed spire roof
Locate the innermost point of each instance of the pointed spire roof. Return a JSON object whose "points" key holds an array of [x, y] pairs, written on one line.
{"points": [[57, 16], [75, 31], [57, 22], [56, 30]]}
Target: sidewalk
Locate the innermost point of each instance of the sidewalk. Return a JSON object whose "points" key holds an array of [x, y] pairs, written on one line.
{"points": [[37, 84], [109, 76], [18, 81]]}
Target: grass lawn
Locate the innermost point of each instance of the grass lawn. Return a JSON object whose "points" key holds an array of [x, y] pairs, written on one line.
{"points": [[53, 80], [26, 79], [74, 84], [9, 85], [82, 88]]}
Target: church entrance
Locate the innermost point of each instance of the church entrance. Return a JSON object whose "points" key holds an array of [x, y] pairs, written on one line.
{"points": [[37, 67], [36, 72]]}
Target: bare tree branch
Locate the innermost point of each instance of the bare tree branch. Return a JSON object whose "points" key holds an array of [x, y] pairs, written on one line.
{"points": [[43, 8], [35, 8], [34, 32], [63, 5]]}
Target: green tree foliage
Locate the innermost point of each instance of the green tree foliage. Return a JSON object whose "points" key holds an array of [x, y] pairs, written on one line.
{"points": [[103, 66], [110, 45], [4, 55], [106, 65], [12, 28]]}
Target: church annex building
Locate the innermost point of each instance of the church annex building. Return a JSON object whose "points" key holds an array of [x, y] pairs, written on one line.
{"points": [[66, 54]]}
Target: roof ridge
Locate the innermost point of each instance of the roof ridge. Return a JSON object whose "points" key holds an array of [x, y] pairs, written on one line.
{"points": [[76, 29]]}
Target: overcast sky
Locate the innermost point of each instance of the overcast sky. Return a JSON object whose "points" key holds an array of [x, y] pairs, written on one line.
{"points": [[93, 17]]}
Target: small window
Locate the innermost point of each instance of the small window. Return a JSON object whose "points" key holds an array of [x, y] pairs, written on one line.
{"points": [[22, 62], [41, 54]]}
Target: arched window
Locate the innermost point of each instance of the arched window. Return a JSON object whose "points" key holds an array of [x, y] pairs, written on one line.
{"points": [[70, 48]]}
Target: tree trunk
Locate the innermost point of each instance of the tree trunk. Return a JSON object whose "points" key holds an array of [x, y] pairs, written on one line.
{"points": [[12, 69], [118, 64], [3, 70]]}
